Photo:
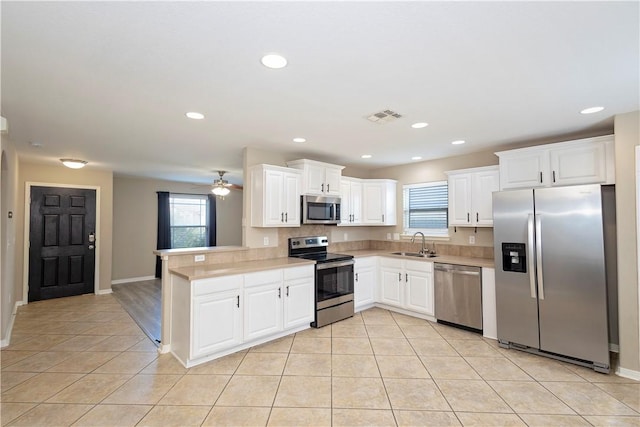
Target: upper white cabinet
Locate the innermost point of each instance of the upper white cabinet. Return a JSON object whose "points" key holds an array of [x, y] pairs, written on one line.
{"points": [[275, 196], [379, 202], [470, 196], [318, 178], [583, 161], [351, 201]]}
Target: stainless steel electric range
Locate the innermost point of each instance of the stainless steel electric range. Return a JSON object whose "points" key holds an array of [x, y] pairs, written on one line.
{"points": [[334, 278]]}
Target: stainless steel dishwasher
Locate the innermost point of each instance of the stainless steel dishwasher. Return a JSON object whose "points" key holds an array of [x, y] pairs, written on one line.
{"points": [[458, 295]]}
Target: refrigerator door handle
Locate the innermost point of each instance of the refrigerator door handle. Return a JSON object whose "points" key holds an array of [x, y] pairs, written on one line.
{"points": [[539, 257], [530, 246]]}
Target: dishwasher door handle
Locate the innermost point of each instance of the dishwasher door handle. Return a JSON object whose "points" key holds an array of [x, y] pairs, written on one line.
{"points": [[466, 273]]}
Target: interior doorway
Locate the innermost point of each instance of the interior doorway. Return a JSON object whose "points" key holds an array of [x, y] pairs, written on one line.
{"points": [[62, 242]]}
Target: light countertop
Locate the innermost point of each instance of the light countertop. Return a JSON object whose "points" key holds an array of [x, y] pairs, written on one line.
{"points": [[445, 259], [206, 271]]}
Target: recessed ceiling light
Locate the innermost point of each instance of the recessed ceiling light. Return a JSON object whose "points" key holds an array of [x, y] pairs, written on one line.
{"points": [[416, 158], [74, 163], [591, 110], [194, 115], [299, 140], [274, 61], [366, 156], [458, 142], [419, 125]]}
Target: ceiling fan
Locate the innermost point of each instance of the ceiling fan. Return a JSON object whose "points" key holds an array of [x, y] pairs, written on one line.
{"points": [[221, 187]]}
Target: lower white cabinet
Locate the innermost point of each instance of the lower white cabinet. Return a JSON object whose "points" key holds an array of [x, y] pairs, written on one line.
{"points": [[263, 304], [217, 319], [216, 316], [407, 284], [299, 297], [364, 287]]}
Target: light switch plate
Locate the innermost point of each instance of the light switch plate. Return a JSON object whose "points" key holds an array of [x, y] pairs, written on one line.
{"points": [[396, 236], [265, 241], [198, 258], [472, 240]]}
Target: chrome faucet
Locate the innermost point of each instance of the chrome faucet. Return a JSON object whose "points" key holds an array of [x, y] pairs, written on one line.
{"points": [[423, 250]]}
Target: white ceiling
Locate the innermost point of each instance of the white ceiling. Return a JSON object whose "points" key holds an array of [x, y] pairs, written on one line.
{"points": [[110, 82]]}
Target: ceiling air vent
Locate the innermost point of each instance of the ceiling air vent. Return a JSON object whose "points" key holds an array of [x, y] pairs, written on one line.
{"points": [[385, 116]]}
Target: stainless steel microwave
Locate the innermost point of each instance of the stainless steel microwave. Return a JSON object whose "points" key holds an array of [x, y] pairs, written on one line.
{"points": [[320, 210]]}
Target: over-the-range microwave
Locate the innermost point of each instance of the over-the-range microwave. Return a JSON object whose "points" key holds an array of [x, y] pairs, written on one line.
{"points": [[320, 210]]}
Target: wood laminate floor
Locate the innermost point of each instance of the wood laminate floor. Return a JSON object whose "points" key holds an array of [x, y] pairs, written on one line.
{"points": [[143, 301]]}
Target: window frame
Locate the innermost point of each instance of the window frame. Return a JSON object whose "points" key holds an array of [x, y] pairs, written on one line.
{"points": [[206, 227], [437, 233]]}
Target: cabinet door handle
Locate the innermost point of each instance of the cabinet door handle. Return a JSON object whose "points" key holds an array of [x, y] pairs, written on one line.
{"points": [[540, 177], [406, 277], [468, 217], [328, 187], [477, 217], [322, 187], [399, 277], [281, 216], [238, 301], [554, 175], [286, 217], [279, 292], [382, 217], [287, 290], [356, 277]]}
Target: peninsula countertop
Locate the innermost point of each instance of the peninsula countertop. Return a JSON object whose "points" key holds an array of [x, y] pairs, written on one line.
{"points": [[206, 271]]}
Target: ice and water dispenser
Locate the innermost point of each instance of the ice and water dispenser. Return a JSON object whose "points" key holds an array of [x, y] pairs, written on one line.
{"points": [[514, 257]]}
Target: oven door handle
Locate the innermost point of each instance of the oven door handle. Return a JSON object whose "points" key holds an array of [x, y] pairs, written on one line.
{"points": [[328, 265]]}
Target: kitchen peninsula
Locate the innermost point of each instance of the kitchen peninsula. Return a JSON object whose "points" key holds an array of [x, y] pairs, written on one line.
{"points": [[239, 297]]}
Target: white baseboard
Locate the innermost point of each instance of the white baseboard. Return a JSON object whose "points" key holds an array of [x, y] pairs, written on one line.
{"points": [[132, 279], [162, 349], [5, 342], [104, 292], [628, 373]]}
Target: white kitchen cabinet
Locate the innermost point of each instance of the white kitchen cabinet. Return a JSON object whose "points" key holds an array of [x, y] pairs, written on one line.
{"points": [[489, 318], [379, 202], [275, 196], [351, 201], [318, 178], [407, 284], [470, 196], [583, 161], [299, 296], [263, 304], [364, 287], [217, 322]]}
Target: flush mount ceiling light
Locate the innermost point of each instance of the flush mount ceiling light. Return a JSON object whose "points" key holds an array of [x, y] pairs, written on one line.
{"points": [[366, 156], [299, 140], [274, 60], [591, 110], [416, 158], [419, 125], [74, 163], [458, 142], [194, 115]]}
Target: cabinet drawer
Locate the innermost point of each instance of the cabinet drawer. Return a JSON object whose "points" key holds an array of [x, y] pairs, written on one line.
{"points": [[368, 262], [216, 284], [262, 277], [298, 272]]}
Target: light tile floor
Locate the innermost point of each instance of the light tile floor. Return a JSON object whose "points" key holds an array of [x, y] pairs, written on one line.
{"points": [[83, 361]]}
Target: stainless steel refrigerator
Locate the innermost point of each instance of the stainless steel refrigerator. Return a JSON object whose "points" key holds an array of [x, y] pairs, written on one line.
{"points": [[551, 271]]}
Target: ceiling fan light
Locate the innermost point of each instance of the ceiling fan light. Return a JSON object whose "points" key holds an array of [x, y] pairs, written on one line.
{"points": [[220, 191], [74, 163]]}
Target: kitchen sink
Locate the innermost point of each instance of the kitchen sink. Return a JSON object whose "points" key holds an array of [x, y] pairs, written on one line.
{"points": [[414, 254]]}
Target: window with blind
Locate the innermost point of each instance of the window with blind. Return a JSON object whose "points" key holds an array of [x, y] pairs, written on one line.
{"points": [[426, 208]]}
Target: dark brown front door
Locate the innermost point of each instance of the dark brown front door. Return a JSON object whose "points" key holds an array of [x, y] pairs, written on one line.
{"points": [[62, 242]]}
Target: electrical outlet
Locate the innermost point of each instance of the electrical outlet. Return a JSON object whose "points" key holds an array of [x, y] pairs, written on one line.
{"points": [[265, 241], [472, 240], [198, 258], [345, 236], [396, 236], [388, 236]]}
